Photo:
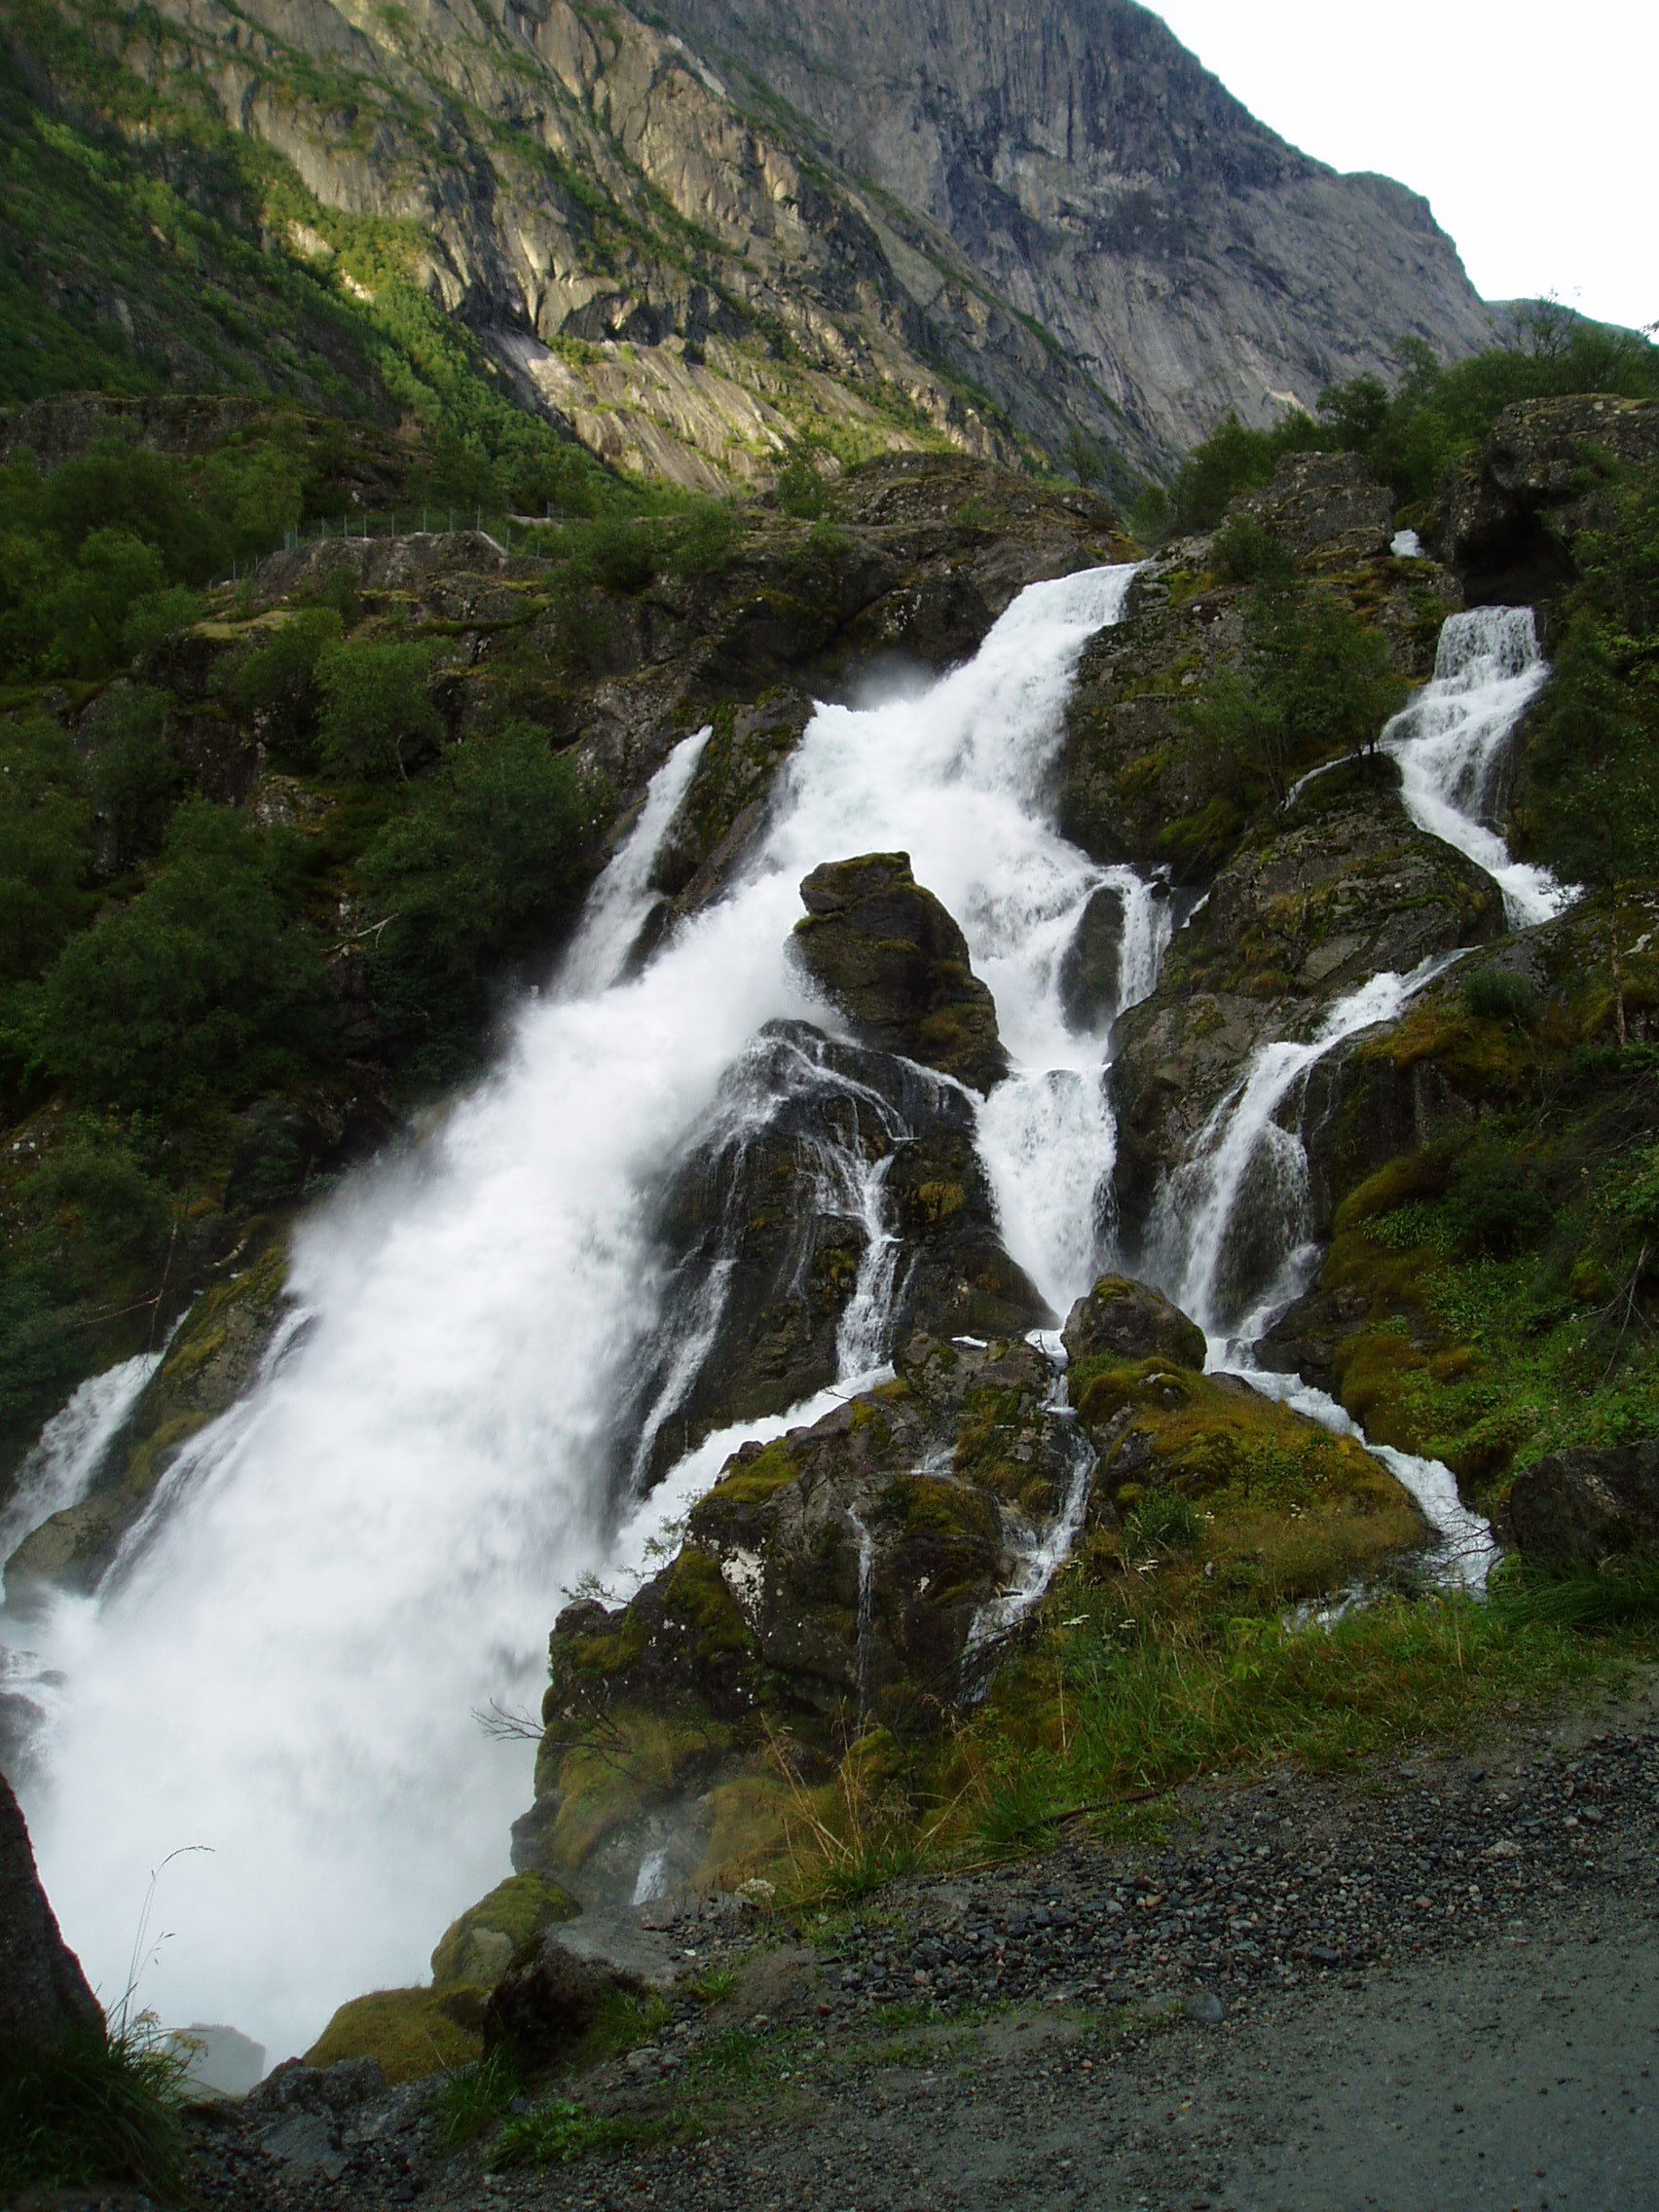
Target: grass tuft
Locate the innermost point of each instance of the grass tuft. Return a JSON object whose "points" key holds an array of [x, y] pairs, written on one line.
{"points": [[101, 2107]]}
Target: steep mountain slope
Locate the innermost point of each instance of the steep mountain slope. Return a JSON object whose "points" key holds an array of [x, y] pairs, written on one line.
{"points": [[1107, 184], [965, 227]]}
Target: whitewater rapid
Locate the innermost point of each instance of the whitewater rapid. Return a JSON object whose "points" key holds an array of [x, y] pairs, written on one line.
{"points": [[284, 1668]]}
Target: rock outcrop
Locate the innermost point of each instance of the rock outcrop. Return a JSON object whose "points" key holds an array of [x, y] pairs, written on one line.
{"points": [[895, 962], [767, 1224], [1327, 503], [1508, 517], [1124, 1321], [1586, 1508], [686, 235], [44, 1996], [1082, 161]]}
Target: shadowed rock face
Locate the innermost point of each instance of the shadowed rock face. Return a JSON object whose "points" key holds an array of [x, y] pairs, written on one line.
{"points": [[44, 1995], [1583, 1508], [764, 1221], [887, 953]]}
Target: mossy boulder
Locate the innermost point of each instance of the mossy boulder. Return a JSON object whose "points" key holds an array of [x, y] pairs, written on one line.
{"points": [[477, 1949], [1123, 1321], [411, 2033], [886, 953], [210, 1363]]}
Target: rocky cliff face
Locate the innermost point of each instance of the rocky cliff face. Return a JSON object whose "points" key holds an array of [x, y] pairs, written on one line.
{"points": [[694, 242], [1187, 259]]}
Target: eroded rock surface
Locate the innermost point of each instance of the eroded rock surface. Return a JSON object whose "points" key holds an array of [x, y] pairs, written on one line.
{"points": [[1585, 1508], [44, 1996]]}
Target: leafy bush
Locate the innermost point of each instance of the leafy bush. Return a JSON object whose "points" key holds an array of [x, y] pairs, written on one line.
{"points": [[1315, 682], [801, 489], [376, 714], [45, 846], [1233, 461], [272, 683], [135, 774], [485, 860], [1499, 994], [207, 983], [1247, 554]]}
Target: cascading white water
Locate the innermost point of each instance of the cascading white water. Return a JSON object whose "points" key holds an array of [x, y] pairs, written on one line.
{"points": [[621, 896], [1246, 1181], [1452, 741], [1243, 1151], [284, 1671], [64, 1464]]}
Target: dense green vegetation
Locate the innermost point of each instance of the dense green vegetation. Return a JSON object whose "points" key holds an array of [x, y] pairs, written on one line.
{"points": [[176, 981], [99, 2109], [1410, 436]]}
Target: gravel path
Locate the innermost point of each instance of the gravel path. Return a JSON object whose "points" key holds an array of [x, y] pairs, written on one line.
{"points": [[1433, 1991]]}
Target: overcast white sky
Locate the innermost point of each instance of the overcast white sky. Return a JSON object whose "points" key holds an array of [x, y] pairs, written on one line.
{"points": [[1532, 128]]}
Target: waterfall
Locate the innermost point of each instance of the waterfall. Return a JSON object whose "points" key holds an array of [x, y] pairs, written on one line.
{"points": [[374, 1543], [866, 1605], [73, 1445], [1232, 1227], [1247, 1178], [1452, 740], [621, 898]]}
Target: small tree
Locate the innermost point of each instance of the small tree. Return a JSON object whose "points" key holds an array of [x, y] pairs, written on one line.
{"points": [[377, 712]]}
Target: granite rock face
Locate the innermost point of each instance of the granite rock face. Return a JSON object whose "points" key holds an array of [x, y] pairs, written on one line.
{"points": [[1095, 171], [687, 232]]}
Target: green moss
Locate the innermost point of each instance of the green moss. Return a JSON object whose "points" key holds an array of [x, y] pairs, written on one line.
{"points": [[477, 1948], [696, 1596], [411, 2032], [930, 1505], [755, 1481]]}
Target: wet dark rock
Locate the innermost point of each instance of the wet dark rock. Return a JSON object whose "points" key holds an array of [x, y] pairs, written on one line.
{"points": [[1092, 971], [766, 1223], [1337, 888], [547, 2003], [887, 953], [1124, 1320], [1510, 516], [44, 1996], [1588, 1507]]}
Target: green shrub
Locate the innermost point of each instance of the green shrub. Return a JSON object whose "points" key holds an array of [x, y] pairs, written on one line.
{"points": [[1499, 994], [801, 489], [1164, 1521], [208, 984], [99, 2109], [134, 772], [557, 2133], [271, 681], [45, 846], [1246, 554], [1314, 682], [376, 714], [1233, 461]]}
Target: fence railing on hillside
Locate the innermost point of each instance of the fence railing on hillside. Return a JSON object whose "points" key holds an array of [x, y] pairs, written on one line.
{"points": [[501, 529]]}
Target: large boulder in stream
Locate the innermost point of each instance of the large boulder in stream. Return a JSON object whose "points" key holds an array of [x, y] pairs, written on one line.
{"points": [[846, 1579], [812, 1145], [44, 1996], [893, 961]]}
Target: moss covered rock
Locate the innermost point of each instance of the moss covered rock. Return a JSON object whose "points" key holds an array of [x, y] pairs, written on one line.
{"points": [[476, 1950], [409, 2033]]}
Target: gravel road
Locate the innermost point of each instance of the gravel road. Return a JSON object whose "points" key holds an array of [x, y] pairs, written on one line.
{"points": [[1435, 1989]]}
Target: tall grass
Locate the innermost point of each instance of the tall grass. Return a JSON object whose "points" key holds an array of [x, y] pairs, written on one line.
{"points": [[100, 2107]]}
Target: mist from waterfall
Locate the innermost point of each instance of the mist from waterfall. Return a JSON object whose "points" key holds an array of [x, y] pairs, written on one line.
{"points": [[284, 1666]]}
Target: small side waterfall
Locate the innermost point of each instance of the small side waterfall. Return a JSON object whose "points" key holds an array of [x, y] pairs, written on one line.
{"points": [[73, 1445], [1231, 1220], [1451, 742], [1232, 1227], [621, 898], [866, 1604]]}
